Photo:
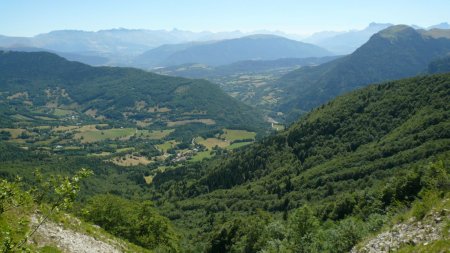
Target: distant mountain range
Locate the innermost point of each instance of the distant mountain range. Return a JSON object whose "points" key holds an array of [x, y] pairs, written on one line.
{"points": [[114, 40], [345, 42], [120, 47], [393, 53], [348, 42], [443, 25], [255, 47]]}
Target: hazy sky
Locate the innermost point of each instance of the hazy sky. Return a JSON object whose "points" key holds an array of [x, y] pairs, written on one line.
{"points": [[30, 17]]}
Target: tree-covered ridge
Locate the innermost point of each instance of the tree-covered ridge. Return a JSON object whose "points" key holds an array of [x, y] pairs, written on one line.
{"points": [[356, 156], [394, 53], [117, 93]]}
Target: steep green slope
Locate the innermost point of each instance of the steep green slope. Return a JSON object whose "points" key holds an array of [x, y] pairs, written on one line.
{"points": [[357, 157], [396, 52], [441, 65], [39, 79]]}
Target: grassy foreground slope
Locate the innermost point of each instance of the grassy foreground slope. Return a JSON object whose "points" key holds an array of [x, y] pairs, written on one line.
{"points": [[353, 161]]}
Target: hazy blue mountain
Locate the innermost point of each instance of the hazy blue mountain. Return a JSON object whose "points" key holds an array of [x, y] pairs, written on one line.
{"points": [[319, 36], [396, 52], [118, 45], [346, 42], [443, 25], [255, 47], [436, 33], [155, 56], [6, 41], [133, 41]]}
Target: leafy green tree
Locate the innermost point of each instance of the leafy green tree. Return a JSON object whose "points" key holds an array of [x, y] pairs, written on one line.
{"points": [[436, 176], [5, 135], [347, 233], [136, 221], [63, 191], [303, 226]]}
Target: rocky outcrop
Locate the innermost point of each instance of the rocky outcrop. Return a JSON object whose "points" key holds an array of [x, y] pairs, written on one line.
{"points": [[412, 232], [50, 233]]}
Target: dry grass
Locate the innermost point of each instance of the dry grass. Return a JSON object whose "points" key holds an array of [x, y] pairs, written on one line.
{"points": [[91, 112], [89, 133], [65, 128], [18, 95], [15, 132], [166, 145], [143, 123], [148, 179], [158, 109], [212, 142], [189, 121], [154, 135], [130, 160]]}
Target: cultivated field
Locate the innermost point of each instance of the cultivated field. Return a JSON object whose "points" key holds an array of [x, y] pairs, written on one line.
{"points": [[94, 135], [200, 156], [166, 146], [154, 135], [210, 143], [233, 135], [130, 160]]}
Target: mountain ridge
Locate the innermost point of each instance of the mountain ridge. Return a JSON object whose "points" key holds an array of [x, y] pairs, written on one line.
{"points": [[263, 47], [396, 52]]}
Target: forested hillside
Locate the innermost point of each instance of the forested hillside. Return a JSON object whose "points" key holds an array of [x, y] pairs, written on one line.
{"points": [[33, 80], [355, 162], [224, 126], [334, 177], [441, 65], [393, 53], [123, 123]]}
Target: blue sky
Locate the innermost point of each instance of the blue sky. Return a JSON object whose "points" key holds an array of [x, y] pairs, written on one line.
{"points": [[31, 17]]}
